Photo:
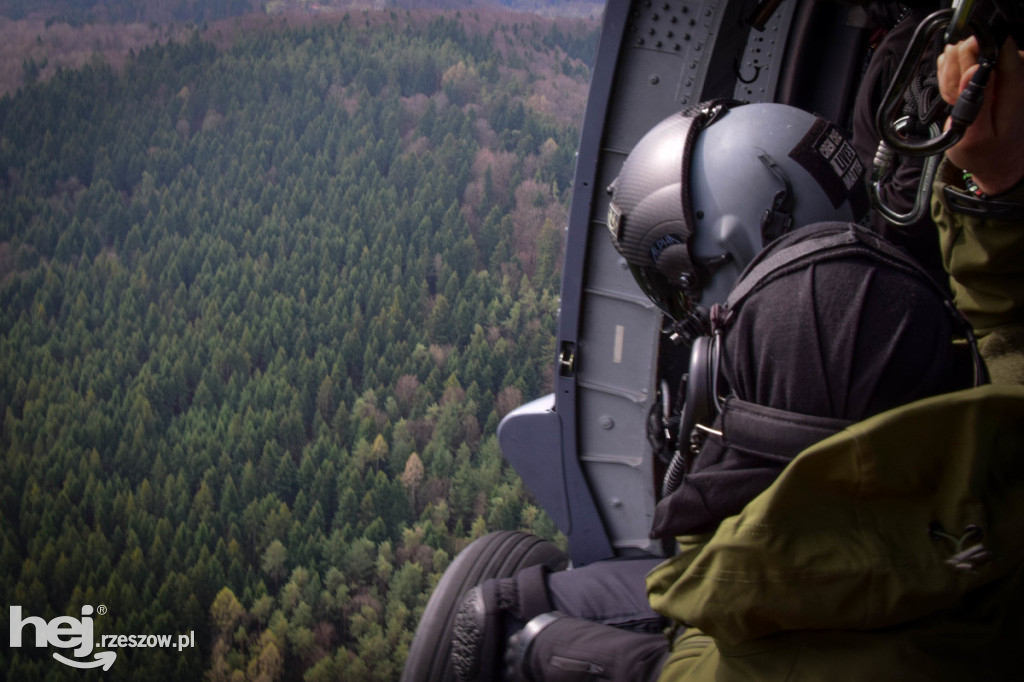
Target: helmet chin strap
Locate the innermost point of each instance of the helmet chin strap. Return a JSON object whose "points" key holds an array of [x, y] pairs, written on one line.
{"points": [[695, 325]]}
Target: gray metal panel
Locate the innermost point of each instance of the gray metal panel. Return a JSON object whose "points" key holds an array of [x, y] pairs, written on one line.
{"points": [[664, 55], [528, 431], [760, 65], [659, 73], [618, 355]]}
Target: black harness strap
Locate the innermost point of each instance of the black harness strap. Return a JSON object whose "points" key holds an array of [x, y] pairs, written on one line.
{"points": [[533, 591], [773, 433]]}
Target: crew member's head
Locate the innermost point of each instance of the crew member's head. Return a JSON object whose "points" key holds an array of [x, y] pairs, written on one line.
{"points": [[706, 189]]}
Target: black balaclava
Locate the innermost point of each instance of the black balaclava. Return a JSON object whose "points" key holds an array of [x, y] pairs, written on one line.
{"points": [[845, 338]]}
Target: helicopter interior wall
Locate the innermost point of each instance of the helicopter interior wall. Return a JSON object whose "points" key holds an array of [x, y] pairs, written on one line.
{"points": [[825, 60], [666, 50]]}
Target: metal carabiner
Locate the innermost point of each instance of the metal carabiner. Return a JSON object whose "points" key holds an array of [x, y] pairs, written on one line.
{"points": [[880, 168], [959, 24], [970, 100]]}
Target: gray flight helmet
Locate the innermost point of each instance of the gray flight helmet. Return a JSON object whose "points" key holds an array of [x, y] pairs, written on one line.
{"points": [[707, 188]]}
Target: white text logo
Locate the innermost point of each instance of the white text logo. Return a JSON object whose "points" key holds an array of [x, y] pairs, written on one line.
{"points": [[66, 632]]}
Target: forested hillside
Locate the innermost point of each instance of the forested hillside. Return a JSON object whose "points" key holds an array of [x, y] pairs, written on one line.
{"points": [[81, 12], [263, 301]]}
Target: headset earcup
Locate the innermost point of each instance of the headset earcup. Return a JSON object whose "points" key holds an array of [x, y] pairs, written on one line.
{"points": [[699, 394]]}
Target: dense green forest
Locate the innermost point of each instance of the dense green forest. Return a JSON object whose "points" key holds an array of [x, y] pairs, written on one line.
{"points": [[262, 305], [81, 12]]}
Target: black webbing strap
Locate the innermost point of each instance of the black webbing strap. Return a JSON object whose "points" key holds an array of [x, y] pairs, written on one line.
{"points": [[959, 202], [533, 591], [773, 433]]}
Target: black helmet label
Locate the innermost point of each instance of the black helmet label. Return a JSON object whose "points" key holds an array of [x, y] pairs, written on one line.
{"points": [[827, 155]]}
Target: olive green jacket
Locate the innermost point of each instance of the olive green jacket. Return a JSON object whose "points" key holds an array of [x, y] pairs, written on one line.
{"points": [[890, 551], [893, 550], [985, 260]]}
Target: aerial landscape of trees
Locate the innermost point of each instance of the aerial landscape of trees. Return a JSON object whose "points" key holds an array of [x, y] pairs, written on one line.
{"points": [[266, 291]]}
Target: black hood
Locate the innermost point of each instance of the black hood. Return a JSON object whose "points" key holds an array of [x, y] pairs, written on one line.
{"points": [[841, 338]]}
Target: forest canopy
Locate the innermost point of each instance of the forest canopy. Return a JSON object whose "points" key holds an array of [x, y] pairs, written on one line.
{"points": [[264, 299]]}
